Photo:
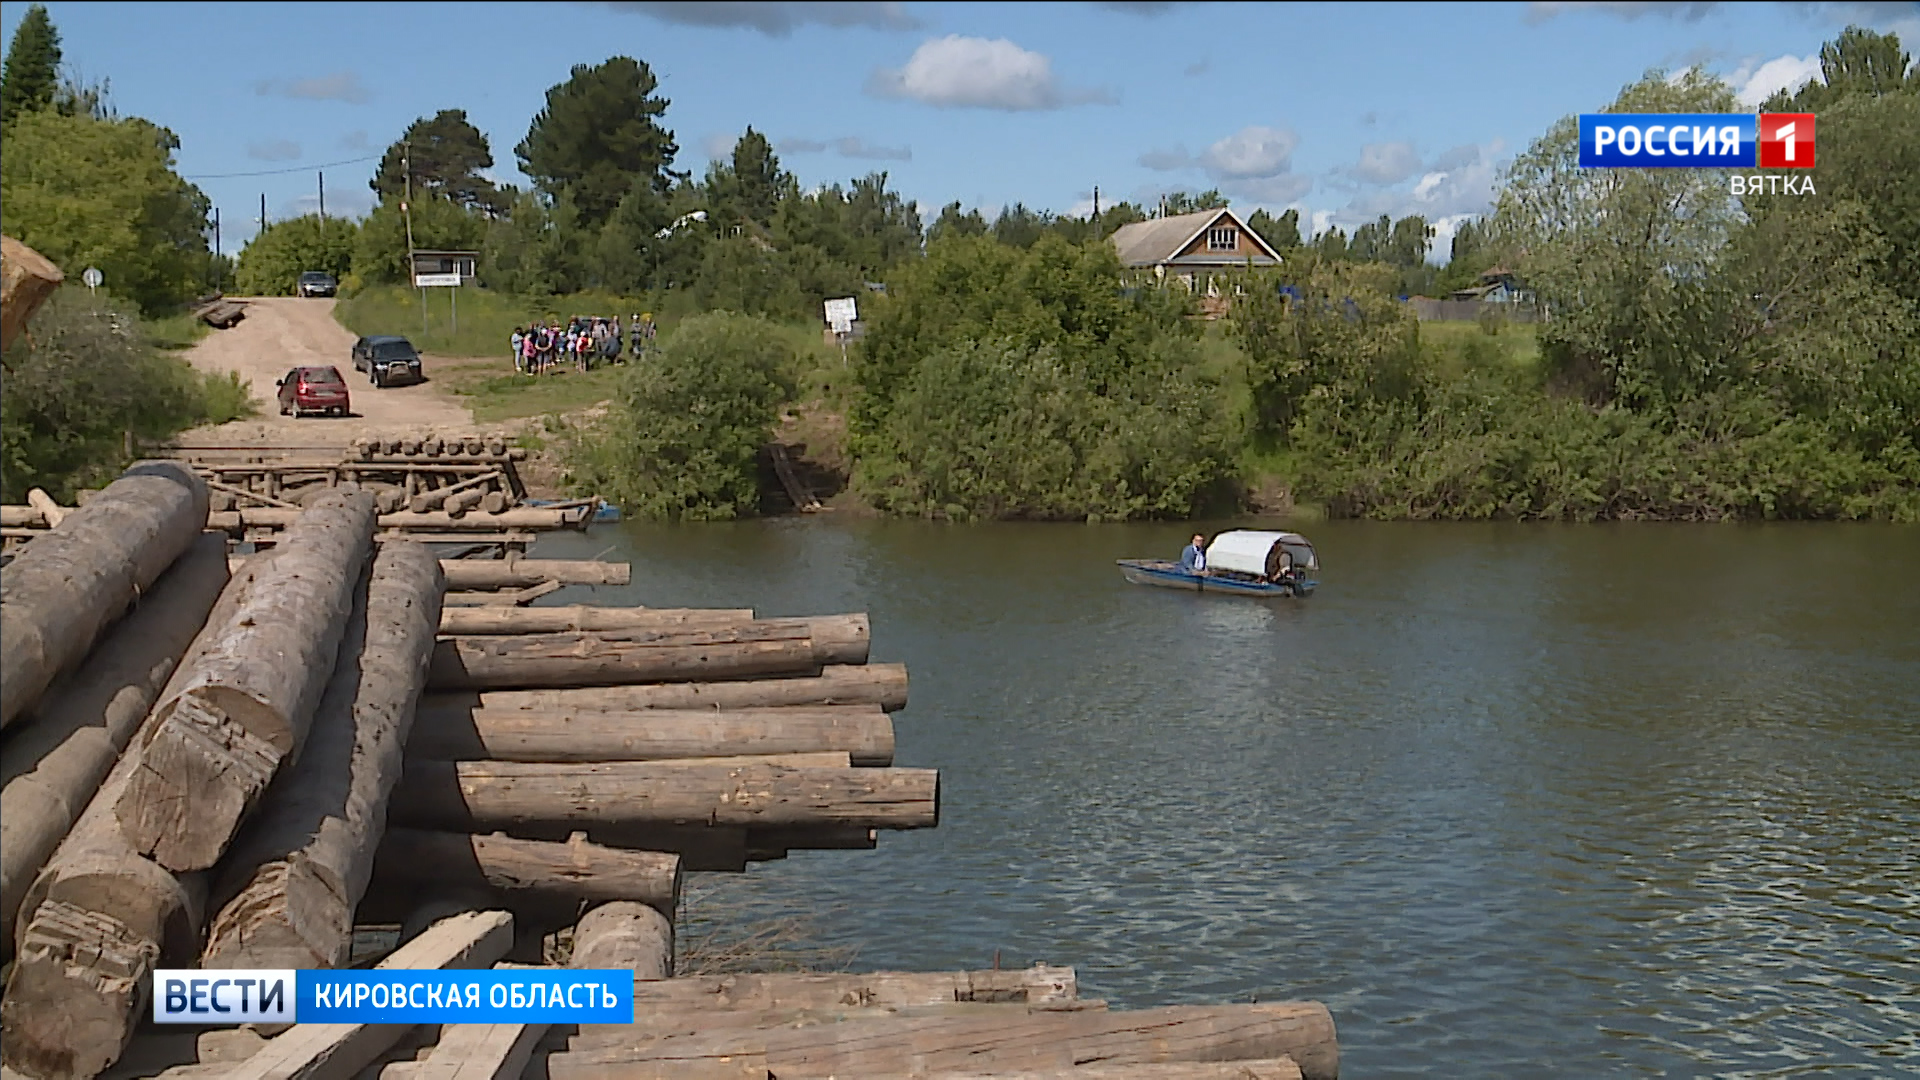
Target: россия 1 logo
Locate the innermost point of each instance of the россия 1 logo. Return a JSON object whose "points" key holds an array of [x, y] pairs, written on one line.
{"points": [[1704, 140]]}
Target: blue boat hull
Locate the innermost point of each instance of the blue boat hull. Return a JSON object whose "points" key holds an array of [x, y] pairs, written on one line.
{"points": [[1169, 575]]}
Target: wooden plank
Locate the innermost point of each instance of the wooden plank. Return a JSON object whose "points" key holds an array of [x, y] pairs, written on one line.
{"points": [[339, 1051], [474, 1052]]}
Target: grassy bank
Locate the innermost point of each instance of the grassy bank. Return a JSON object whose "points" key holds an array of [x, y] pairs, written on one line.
{"points": [[473, 360]]}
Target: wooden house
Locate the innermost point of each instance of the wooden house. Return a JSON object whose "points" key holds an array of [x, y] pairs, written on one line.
{"points": [[1193, 248]]}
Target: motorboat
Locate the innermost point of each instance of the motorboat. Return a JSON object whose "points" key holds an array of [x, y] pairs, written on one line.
{"points": [[1244, 562]]}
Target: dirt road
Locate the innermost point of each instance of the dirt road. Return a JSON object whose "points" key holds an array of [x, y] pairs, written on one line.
{"points": [[280, 333]]}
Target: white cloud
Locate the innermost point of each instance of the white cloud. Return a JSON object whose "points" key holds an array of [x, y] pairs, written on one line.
{"points": [[777, 19], [719, 147], [274, 150], [1386, 163], [1253, 164], [1253, 152], [1755, 84], [340, 86], [1322, 221], [1542, 10], [847, 146], [978, 73]]}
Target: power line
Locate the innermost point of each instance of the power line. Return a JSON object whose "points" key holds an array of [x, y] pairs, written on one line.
{"points": [[277, 172]]}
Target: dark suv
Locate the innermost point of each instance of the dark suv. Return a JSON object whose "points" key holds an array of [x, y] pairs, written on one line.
{"points": [[316, 283], [386, 360]]}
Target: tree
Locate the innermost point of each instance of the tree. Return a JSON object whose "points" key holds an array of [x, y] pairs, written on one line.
{"points": [[1857, 62], [447, 154], [1019, 226], [537, 249], [954, 223], [1280, 233], [747, 190], [277, 255], [599, 136], [86, 192], [31, 75], [380, 249], [1331, 246], [1176, 203], [683, 439]]}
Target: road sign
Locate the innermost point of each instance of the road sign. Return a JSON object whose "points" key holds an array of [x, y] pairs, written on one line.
{"points": [[841, 315], [93, 277], [427, 281]]}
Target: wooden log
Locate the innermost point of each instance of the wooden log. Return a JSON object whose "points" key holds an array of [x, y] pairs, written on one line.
{"points": [[101, 917], [432, 446], [62, 590], [626, 935], [1035, 1039], [433, 500], [78, 730], [494, 502], [51, 511], [647, 1028], [536, 874], [1041, 983], [460, 502], [274, 517], [496, 446], [869, 684], [27, 278], [1282, 1068], [584, 617], [863, 732], [410, 445], [249, 700], [474, 795], [23, 517], [514, 572], [295, 875], [615, 657], [340, 1051], [515, 598]]}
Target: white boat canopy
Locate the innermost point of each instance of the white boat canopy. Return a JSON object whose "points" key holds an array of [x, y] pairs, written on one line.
{"points": [[1249, 551]]}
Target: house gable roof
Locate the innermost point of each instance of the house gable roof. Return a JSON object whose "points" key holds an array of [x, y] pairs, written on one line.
{"points": [[1148, 243]]}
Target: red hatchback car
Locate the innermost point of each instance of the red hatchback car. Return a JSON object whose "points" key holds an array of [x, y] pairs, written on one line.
{"points": [[313, 390]]}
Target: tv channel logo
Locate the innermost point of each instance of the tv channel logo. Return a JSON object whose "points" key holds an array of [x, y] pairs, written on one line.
{"points": [[1696, 140], [238, 996], [394, 996]]}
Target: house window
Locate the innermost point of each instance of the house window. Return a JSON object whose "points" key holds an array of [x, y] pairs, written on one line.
{"points": [[1223, 239]]}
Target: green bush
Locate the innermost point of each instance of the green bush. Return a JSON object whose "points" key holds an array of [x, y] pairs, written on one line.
{"points": [[273, 260], [86, 379], [683, 438], [996, 430]]}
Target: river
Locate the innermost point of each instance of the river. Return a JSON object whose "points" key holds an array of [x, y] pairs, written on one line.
{"points": [[1511, 800]]}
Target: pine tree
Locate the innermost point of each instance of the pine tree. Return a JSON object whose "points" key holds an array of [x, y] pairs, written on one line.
{"points": [[32, 71]]}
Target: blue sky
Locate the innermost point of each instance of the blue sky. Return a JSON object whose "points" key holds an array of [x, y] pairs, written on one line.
{"points": [[1342, 110]]}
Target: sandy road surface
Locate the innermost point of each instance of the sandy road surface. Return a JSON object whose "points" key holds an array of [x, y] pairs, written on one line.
{"points": [[280, 333]]}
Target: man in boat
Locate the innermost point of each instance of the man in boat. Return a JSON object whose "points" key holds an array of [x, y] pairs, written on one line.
{"points": [[1194, 559]]}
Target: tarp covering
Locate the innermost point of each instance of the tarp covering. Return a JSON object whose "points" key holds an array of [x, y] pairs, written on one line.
{"points": [[1253, 552]]}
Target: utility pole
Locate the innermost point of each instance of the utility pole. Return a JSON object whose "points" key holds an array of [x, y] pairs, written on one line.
{"points": [[1096, 211], [219, 276], [323, 204], [263, 211], [406, 211]]}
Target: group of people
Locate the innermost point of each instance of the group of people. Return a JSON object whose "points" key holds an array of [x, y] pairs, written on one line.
{"points": [[583, 341]]}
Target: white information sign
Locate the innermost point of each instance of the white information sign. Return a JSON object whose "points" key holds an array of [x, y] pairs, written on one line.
{"points": [[93, 277], [841, 315], [428, 281]]}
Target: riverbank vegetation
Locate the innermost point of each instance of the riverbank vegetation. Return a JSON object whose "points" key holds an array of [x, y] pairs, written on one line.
{"points": [[97, 372], [1701, 355]]}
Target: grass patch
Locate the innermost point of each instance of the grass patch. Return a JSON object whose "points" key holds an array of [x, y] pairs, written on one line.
{"points": [[476, 322], [1456, 348], [176, 332], [495, 393]]}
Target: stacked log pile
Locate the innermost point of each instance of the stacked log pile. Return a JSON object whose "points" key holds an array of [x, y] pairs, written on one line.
{"points": [[235, 762]]}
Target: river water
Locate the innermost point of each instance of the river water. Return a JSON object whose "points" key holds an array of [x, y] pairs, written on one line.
{"points": [[1511, 800]]}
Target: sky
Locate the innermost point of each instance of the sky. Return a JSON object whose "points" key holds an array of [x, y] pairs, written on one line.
{"points": [[1342, 111]]}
